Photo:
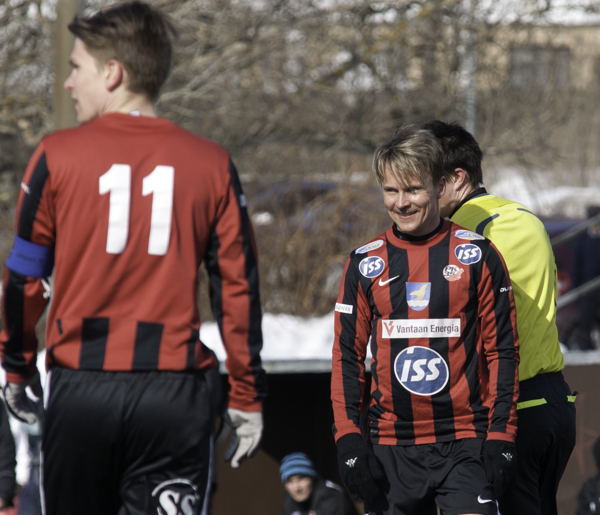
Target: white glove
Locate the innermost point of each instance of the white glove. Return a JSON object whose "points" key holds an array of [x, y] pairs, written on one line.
{"points": [[247, 431], [17, 401]]}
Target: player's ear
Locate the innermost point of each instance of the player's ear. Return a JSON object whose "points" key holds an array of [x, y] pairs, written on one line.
{"points": [[459, 178], [115, 74]]}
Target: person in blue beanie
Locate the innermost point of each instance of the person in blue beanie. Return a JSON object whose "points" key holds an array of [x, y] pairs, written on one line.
{"points": [[308, 493]]}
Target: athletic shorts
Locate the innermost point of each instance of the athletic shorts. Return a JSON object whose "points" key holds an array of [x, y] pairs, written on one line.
{"points": [[126, 443], [419, 477]]}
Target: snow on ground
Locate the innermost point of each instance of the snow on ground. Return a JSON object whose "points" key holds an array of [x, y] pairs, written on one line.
{"points": [[533, 192]]}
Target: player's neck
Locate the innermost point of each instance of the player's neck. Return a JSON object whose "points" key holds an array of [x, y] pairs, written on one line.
{"points": [[131, 103]]}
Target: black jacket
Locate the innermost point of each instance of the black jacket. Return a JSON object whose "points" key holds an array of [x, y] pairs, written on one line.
{"points": [[588, 500], [327, 499], [7, 458]]}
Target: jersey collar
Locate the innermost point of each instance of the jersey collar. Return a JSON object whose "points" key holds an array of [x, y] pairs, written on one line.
{"points": [[478, 192]]}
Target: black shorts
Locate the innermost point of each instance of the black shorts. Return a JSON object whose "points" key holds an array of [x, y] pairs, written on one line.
{"points": [[419, 477], [126, 443], [545, 439]]}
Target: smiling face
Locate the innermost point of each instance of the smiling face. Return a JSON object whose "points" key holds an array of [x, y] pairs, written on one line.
{"points": [[411, 204], [87, 83], [299, 487]]}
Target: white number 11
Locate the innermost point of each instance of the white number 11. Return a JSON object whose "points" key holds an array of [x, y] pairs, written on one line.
{"points": [[160, 182]]}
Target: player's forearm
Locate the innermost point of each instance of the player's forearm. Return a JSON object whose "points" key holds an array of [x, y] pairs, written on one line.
{"points": [[347, 389], [23, 303]]}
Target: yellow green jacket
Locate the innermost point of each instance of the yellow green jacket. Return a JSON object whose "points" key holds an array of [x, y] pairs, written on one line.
{"points": [[523, 242]]}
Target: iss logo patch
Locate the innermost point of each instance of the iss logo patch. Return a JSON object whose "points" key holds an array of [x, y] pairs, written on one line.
{"points": [[176, 497], [418, 295], [468, 253], [371, 266], [421, 370], [452, 273]]}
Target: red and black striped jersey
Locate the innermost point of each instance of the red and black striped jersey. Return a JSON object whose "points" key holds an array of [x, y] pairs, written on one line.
{"points": [[439, 315], [131, 206]]}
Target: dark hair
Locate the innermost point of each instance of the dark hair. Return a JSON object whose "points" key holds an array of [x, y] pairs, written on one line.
{"points": [[460, 150], [412, 152], [136, 35]]}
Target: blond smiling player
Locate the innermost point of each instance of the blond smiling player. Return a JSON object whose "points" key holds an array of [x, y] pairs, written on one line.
{"points": [[435, 302]]}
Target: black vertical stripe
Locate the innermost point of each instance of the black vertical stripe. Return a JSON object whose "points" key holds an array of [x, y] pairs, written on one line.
{"points": [[32, 198], [439, 307], [504, 340], [471, 342], [255, 340], [398, 265], [255, 330], [211, 262], [348, 322], [192, 344], [147, 346], [375, 412], [14, 298], [94, 334]]}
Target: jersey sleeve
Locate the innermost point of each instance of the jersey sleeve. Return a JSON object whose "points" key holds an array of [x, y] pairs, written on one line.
{"points": [[500, 344], [24, 299], [231, 263], [352, 330]]}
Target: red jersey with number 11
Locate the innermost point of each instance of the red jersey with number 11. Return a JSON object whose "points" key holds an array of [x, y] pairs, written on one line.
{"points": [[132, 206]]}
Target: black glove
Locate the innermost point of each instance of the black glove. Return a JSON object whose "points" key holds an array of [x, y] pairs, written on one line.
{"points": [[359, 468], [500, 462]]}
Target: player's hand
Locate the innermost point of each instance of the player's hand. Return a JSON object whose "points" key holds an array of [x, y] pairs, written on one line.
{"points": [[247, 427], [360, 469], [17, 402], [500, 462]]}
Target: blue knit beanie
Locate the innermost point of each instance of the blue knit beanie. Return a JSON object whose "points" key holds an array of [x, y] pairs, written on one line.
{"points": [[296, 463]]}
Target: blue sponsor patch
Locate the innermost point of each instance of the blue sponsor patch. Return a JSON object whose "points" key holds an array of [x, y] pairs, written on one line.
{"points": [[369, 246], [418, 295], [468, 253], [371, 266], [468, 235], [31, 259], [421, 370]]}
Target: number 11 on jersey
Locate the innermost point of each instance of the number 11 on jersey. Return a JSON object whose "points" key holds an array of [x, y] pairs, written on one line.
{"points": [[117, 182]]}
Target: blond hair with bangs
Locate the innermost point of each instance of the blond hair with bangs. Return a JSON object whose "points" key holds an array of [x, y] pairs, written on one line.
{"points": [[411, 153]]}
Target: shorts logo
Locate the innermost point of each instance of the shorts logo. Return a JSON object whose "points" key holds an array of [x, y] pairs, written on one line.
{"points": [[417, 295], [176, 497], [452, 273], [421, 370], [502, 290], [468, 235], [371, 266], [369, 246], [468, 253]]}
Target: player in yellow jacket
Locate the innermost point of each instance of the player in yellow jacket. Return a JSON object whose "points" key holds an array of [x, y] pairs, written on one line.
{"points": [[545, 410]]}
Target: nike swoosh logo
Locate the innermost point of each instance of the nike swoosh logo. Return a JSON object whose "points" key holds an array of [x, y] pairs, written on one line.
{"points": [[383, 283], [483, 501]]}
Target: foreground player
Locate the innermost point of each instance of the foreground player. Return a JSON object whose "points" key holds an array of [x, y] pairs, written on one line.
{"points": [[546, 413], [128, 205], [436, 302]]}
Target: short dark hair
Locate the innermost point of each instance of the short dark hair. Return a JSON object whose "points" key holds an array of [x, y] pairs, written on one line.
{"points": [[136, 35], [412, 152], [461, 150]]}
